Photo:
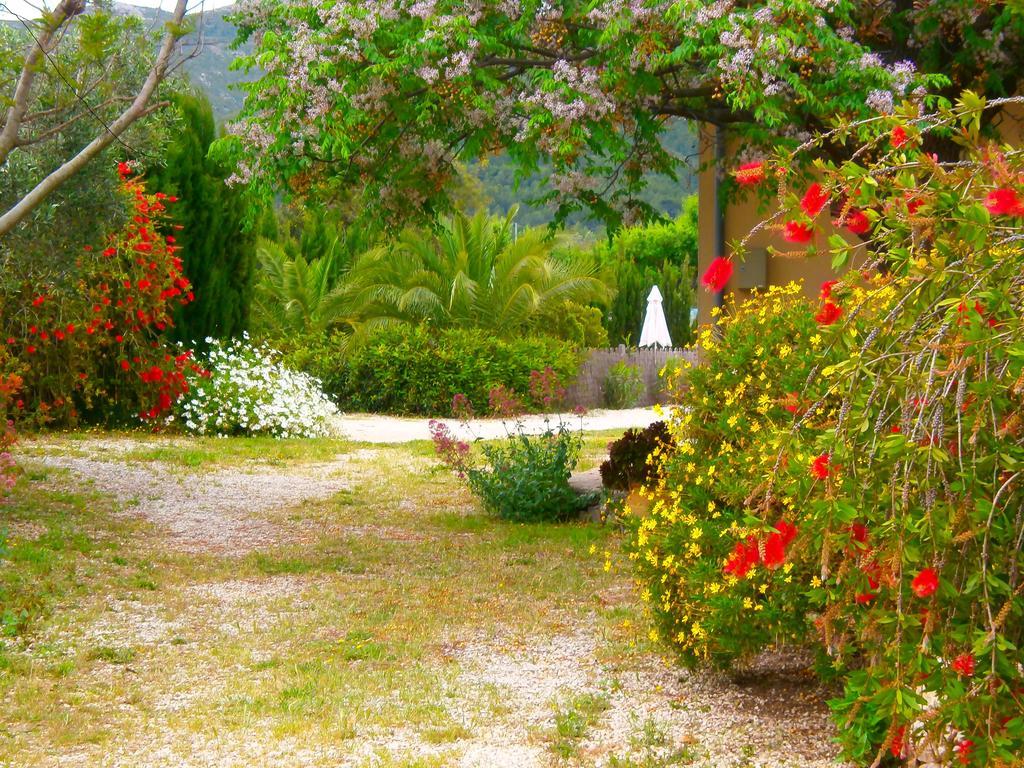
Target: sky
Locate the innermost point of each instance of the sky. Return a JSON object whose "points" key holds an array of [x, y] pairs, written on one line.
{"points": [[8, 8]]}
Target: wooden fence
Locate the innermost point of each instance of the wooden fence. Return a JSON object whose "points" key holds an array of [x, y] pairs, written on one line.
{"points": [[588, 389]]}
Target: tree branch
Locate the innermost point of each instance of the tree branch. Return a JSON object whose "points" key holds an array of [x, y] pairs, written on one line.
{"points": [[65, 10], [136, 110]]}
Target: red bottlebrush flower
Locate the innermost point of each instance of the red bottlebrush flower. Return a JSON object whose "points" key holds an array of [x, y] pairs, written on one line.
{"points": [[10, 339], [774, 551], [963, 750], [926, 583], [899, 739], [744, 556], [124, 170], [792, 402], [826, 288], [750, 174], [814, 200], [859, 533], [1004, 202], [108, 252], [797, 232], [829, 313], [44, 335], [718, 274], [144, 285], [821, 466], [963, 665], [38, 301], [127, 284], [913, 203], [125, 365], [30, 349], [83, 376], [899, 137], [70, 328], [119, 338], [776, 543], [59, 334], [895, 429], [858, 222], [32, 329]]}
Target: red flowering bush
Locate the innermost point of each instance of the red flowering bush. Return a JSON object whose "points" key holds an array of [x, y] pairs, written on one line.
{"points": [[89, 341], [900, 469], [10, 387]]}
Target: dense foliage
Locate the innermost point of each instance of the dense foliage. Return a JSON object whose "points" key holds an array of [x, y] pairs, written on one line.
{"points": [[217, 253], [389, 95], [470, 272], [245, 390], [87, 344], [416, 370], [624, 386], [634, 459], [862, 489]]}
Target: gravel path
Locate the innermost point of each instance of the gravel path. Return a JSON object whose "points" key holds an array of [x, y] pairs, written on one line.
{"points": [[773, 717], [212, 512], [393, 429]]}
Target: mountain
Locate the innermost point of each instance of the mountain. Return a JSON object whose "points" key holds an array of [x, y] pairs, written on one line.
{"points": [[209, 69]]}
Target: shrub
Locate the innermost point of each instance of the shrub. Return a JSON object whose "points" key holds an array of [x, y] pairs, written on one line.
{"points": [[417, 370], [633, 458], [862, 492], [573, 322], [88, 339], [624, 386], [523, 478], [750, 382], [246, 391], [10, 385]]}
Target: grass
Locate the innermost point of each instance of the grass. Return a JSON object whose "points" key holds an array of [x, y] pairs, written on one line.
{"points": [[192, 453], [574, 719], [334, 639]]}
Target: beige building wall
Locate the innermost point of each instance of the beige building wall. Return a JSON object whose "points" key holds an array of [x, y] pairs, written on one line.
{"points": [[740, 219]]}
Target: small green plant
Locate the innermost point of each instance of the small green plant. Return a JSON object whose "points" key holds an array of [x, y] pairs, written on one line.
{"points": [[624, 386], [629, 463], [573, 720], [651, 747], [523, 478]]}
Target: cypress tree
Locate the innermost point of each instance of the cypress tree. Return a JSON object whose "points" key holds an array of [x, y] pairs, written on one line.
{"points": [[218, 253]]}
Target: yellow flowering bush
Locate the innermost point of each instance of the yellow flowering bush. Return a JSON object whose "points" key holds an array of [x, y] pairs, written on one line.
{"points": [[849, 471], [722, 575]]}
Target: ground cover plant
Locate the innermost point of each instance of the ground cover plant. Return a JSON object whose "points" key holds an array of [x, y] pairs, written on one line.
{"points": [[863, 496]]}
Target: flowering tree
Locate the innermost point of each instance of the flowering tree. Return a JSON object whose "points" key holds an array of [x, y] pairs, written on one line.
{"points": [[876, 506], [385, 95]]}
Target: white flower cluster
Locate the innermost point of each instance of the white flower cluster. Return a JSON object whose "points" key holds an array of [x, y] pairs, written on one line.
{"points": [[248, 392]]}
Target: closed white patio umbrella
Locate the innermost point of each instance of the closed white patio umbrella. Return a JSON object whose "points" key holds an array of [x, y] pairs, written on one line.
{"points": [[655, 329]]}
